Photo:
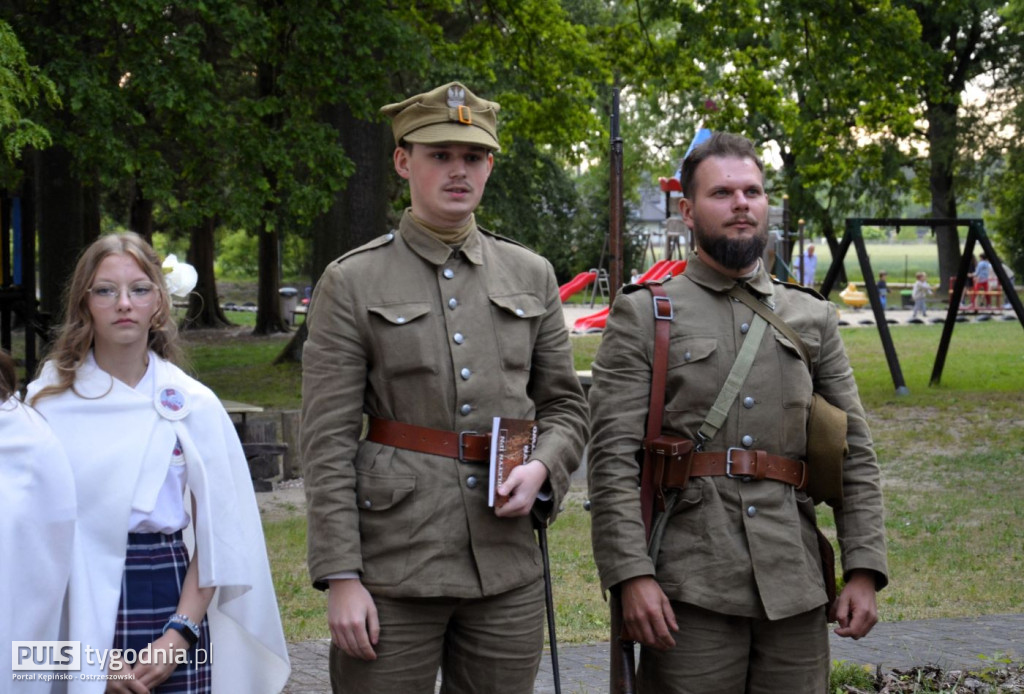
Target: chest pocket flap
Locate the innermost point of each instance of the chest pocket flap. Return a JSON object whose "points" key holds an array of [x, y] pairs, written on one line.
{"points": [[519, 305], [689, 350], [515, 332], [404, 339], [400, 314]]}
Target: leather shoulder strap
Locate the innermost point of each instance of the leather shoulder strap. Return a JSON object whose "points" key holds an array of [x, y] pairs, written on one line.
{"points": [[663, 315]]}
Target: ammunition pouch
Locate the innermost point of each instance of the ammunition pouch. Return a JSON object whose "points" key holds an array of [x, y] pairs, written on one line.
{"points": [[670, 456]]}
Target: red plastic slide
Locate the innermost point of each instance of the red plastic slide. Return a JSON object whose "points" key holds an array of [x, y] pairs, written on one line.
{"points": [[595, 322], [576, 284]]}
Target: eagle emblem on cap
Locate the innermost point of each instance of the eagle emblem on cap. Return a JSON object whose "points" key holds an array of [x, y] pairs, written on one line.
{"points": [[456, 97]]}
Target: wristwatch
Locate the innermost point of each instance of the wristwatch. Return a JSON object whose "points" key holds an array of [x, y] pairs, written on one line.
{"points": [[184, 626]]}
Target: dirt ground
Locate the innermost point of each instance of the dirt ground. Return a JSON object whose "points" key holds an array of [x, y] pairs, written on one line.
{"points": [[287, 499]]}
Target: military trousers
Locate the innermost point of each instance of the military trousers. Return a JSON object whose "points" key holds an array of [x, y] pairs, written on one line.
{"points": [[724, 654], [490, 644]]}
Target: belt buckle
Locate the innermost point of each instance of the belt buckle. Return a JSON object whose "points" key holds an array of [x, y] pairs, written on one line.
{"points": [[728, 465], [462, 444]]}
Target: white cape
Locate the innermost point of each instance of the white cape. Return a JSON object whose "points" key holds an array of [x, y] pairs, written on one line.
{"points": [[37, 528], [120, 441]]}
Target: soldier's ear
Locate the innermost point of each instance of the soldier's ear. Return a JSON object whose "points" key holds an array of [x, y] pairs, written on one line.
{"points": [[401, 158], [686, 211]]}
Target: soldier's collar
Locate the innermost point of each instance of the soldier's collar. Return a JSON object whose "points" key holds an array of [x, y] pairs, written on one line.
{"points": [[706, 276], [432, 249]]}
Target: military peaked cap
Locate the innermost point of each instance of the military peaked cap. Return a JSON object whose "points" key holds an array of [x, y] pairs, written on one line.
{"points": [[450, 113]]}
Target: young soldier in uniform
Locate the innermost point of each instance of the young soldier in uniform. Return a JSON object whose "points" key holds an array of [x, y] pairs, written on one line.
{"points": [[735, 602], [432, 330]]}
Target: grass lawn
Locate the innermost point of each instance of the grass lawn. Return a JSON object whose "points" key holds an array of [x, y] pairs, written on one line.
{"points": [[901, 260]]}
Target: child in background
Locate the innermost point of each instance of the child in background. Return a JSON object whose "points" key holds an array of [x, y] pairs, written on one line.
{"points": [[883, 288], [921, 291]]}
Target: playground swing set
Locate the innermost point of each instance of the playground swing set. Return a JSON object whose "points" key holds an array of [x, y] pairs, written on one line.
{"points": [[975, 234]]}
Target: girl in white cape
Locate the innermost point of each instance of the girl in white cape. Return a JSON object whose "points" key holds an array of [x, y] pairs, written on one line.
{"points": [[37, 528], [143, 439]]}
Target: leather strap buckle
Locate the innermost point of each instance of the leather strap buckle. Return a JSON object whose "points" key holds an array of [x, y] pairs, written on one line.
{"points": [[663, 309], [462, 444]]}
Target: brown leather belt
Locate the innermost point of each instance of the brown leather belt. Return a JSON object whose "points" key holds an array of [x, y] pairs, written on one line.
{"points": [[740, 463], [466, 446]]}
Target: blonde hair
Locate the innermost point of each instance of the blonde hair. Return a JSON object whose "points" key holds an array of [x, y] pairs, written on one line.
{"points": [[76, 335]]}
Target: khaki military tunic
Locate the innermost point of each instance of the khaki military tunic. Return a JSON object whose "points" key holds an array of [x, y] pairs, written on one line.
{"points": [[404, 328], [734, 547]]}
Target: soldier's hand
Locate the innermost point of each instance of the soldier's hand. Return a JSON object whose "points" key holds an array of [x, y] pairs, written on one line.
{"points": [[647, 615], [521, 488], [856, 609], [352, 618]]}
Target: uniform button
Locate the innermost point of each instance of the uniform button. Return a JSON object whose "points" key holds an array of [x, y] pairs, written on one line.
{"points": [[452, 303], [747, 441], [400, 320], [744, 328], [751, 511], [471, 481], [459, 338], [367, 504], [687, 356], [466, 409], [465, 373], [448, 273], [748, 402], [520, 312]]}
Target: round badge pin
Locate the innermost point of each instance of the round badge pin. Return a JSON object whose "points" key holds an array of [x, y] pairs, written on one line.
{"points": [[172, 403]]}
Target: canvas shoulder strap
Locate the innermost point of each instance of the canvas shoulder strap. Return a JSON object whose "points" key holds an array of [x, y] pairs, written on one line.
{"points": [[734, 381], [744, 295]]}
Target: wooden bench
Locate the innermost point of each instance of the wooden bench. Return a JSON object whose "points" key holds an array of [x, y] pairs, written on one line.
{"points": [[987, 300], [259, 443]]}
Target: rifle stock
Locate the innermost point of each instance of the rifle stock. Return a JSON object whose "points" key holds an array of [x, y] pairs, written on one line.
{"points": [[622, 670]]}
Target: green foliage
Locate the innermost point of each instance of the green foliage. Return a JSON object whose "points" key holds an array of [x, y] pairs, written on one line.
{"points": [[813, 80], [22, 88], [236, 255], [531, 198]]}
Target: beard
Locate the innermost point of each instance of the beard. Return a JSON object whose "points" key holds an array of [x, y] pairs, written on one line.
{"points": [[733, 253]]}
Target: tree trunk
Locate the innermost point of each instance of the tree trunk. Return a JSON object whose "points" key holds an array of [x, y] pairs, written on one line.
{"points": [[60, 223], [268, 305], [360, 210], [942, 140], [204, 309], [141, 217], [92, 211]]}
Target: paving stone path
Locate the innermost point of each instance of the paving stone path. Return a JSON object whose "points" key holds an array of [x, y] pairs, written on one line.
{"points": [[947, 643]]}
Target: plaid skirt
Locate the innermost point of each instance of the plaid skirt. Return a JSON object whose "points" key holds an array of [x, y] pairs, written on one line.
{"points": [[154, 572]]}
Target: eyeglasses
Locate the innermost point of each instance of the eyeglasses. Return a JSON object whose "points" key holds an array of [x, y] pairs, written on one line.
{"points": [[106, 295]]}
